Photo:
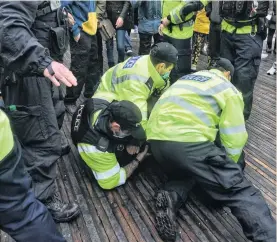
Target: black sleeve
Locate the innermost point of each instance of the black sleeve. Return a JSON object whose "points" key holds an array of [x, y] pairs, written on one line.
{"points": [[125, 9], [262, 9], [191, 7], [20, 51]]}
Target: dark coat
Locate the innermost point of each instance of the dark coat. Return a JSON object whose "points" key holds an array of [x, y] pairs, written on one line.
{"points": [[122, 9]]}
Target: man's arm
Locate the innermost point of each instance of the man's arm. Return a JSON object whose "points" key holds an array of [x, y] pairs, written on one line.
{"points": [[232, 129], [101, 10], [114, 175], [19, 49]]}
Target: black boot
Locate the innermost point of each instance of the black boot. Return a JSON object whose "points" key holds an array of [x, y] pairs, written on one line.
{"points": [[166, 215], [61, 212]]}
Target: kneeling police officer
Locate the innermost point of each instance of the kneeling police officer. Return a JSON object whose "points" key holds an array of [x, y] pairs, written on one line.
{"points": [[99, 129]]}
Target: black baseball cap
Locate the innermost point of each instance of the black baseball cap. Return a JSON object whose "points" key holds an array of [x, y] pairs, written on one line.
{"points": [[226, 65], [165, 52], [128, 116]]}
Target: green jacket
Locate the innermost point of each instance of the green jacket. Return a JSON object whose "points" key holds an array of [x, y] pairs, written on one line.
{"points": [[173, 8], [6, 136], [134, 80], [196, 108]]}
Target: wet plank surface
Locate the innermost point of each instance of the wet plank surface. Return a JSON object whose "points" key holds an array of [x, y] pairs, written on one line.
{"points": [[127, 213]]}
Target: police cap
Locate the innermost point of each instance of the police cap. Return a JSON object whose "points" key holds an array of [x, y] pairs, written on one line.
{"points": [[165, 52], [128, 116]]}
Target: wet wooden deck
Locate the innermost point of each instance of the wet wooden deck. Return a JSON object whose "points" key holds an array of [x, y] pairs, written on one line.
{"points": [[127, 213]]}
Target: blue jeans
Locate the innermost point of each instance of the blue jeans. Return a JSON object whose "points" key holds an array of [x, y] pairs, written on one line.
{"points": [[127, 42], [120, 38]]}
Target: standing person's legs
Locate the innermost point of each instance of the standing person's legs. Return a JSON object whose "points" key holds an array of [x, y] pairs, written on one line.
{"points": [[21, 215], [183, 66], [93, 76], [158, 38], [198, 42], [246, 63], [79, 65], [270, 39], [127, 42], [144, 43], [100, 53], [110, 54], [120, 36]]}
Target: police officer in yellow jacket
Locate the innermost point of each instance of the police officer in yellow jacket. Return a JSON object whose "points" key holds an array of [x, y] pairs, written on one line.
{"points": [[139, 78], [100, 129], [177, 29], [22, 216], [182, 131], [237, 33]]}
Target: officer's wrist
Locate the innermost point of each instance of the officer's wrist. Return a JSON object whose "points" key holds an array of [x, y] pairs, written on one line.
{"points": [[45, 62]]}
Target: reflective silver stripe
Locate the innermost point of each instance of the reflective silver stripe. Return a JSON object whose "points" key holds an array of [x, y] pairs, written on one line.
{"points": [[114, 77], [122, 177], [231, 151], [203, 94], [186, 105], [176, 18], [127, 77], [233, 130], [107, 174], [89, 149]]}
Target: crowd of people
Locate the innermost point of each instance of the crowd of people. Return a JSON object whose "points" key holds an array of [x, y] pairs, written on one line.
{"points": [[157, 103]]}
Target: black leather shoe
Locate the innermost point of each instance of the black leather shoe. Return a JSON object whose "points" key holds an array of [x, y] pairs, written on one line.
{"points": [[61, 212], [65, 149], [165, 216]]}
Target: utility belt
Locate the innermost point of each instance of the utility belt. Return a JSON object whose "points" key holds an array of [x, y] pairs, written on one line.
{"points": [[57, 22], [182, 25], [255, 26]]}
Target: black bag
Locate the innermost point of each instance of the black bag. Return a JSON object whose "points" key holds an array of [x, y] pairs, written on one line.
{"points": [[107, 30], [59, 36]]}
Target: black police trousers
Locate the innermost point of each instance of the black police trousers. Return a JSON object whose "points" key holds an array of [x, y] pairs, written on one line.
{"points": [[208, 166], [244, 51], [22, 216], [145, 42], [183, 66], [35, 123], [84, 66]]}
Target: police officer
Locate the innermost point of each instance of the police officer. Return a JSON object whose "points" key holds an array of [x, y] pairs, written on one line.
{"points": [[29, 72], [99, 129], [182, 131], [242, 26], [139, 78], [21, 216], [177, 29]]}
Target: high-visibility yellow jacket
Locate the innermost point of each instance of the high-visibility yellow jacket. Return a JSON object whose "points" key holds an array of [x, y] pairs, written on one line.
{"points": [[173, 8], [6, 136], [104, 165], [230, 28], [134, 80], [196, 108]]}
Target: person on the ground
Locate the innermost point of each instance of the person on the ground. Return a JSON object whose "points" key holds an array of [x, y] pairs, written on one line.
{"points": [[139, 78], [100, 130], [197, 133]]}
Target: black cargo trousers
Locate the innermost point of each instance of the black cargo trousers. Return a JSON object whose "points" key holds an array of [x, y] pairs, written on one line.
{"points": [[183, 66], [84, 66], [35, 119], [208, 166], [244, 51]]}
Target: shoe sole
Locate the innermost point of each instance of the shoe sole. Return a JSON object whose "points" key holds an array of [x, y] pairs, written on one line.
{"points": [[66, 220], [165, 226]]}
